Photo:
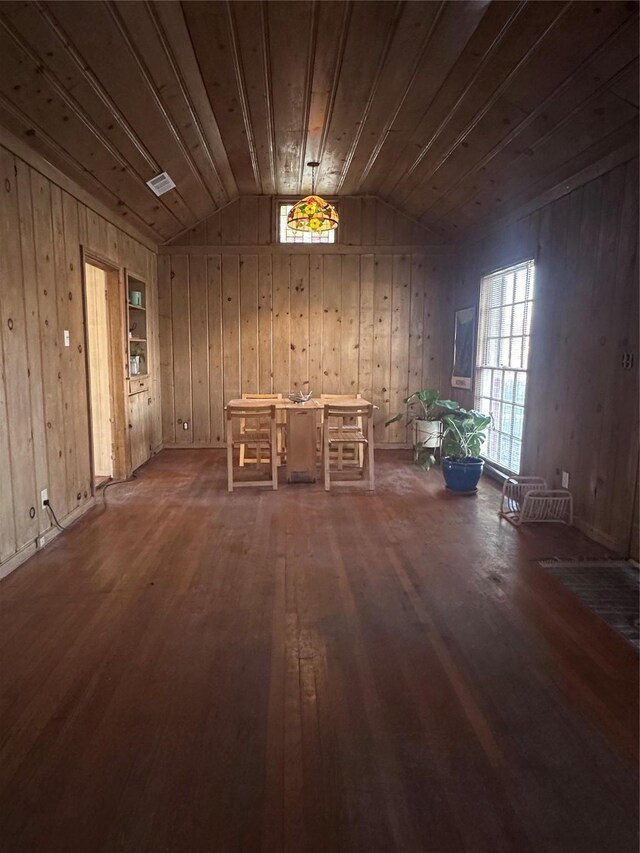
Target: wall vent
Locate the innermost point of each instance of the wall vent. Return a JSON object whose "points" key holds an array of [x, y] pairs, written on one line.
{"points": [[161, 184]]}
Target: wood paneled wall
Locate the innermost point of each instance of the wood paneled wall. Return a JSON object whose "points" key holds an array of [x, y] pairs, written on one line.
{"points": [[364, 221], [342, 319], [582, 405], [44, 418], [278, 321]]}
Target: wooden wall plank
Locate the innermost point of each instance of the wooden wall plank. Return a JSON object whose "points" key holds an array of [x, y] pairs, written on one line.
{"points": [[199, 334], [366, 331], [265, 368], [265, 220], [281, 323], [214, 229], [350, 211], [16, 446], [216, 361], [416, 324], [300, 323], [612, 324], [249, 369], [66, 363], [49, 338], [15, 346], [230, 224], [78, 380], [316, 321], [7, 524], [350, 285], [153, 333], [385, 220], [381, 374], [399, 359], [332, 325], [231, 327], [198, 234], [181, 341], [166, 350], [622, 512], [248, 220], [32, 320]]}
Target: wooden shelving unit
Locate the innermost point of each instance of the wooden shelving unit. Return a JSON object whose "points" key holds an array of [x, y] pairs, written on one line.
{"points": [[138, 349]]}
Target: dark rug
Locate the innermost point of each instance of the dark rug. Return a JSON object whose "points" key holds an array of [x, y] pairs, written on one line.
{"points": [[610, 589]]}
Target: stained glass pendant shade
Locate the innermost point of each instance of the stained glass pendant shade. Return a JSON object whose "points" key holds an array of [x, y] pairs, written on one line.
{"points": [[313, 213]]}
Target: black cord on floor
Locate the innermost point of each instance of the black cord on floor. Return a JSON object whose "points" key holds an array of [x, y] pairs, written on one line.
{"points": [[108, 485], [104, 498]]}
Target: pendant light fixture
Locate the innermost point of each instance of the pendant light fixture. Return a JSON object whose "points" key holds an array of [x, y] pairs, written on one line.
{"points": [[313, 213]]}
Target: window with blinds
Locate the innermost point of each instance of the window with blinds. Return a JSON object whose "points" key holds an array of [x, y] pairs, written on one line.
{"points": [[288, 235], [506, 304]]}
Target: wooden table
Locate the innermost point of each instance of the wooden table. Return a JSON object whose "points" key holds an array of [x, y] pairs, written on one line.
{"points": [[301, 432]]}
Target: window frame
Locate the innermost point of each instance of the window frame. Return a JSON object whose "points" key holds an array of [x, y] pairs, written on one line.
{"points": [[284, 200], [480, 365]]}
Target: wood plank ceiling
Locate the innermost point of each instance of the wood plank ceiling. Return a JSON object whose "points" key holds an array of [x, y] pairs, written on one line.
{"points": [[453, 112]]}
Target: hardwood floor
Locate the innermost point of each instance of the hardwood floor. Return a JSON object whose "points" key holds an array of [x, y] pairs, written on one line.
{"points": [[187, 670]]}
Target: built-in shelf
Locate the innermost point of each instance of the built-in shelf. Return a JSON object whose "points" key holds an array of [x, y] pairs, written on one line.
{"points": [[138, 351]]}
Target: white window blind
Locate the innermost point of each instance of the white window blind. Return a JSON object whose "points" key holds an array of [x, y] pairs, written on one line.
{"points": [[288, 235], [506, 304]]}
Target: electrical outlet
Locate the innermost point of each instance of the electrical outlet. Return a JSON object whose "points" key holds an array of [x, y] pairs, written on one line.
{"points": [[44, 496], [67, 338], [40, 542], [565, 479]]}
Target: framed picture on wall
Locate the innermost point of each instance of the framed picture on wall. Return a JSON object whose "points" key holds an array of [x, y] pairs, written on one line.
{"points": [[463, 338]]}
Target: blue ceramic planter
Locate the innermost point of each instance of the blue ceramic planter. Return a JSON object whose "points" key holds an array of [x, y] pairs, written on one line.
{"points": [[462, 476]]}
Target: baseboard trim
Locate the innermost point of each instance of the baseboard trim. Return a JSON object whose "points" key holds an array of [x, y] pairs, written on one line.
{"points": [[598, 536], [31, 548], [197, 446]]}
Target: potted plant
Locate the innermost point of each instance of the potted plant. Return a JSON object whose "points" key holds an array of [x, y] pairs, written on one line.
{"points": [[425, 410], [464, 433]]}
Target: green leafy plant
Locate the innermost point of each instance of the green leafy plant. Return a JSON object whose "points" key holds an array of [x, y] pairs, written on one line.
{"points": [[424, 405], [465, 431]]}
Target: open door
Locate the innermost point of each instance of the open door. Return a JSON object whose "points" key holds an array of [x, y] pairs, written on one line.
{"points": [[106, 351], [100, 393]]}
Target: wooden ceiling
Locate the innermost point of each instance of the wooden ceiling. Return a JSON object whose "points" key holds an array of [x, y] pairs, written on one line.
{"points": [[456, 113]]}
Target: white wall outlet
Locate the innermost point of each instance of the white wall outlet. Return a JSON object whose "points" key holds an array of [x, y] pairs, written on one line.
{"points": [[40, 542], [44, 496], [67, 338], [565, 479]]}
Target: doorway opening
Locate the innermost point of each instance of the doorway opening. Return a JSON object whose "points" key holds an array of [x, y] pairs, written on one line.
{"points": [[104, 307]]}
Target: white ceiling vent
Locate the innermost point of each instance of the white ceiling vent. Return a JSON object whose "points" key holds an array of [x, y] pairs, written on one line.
{"points": [[161, 184]]}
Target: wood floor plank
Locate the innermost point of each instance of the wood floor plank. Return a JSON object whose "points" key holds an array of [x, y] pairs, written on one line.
{"points": [[307, 671]]}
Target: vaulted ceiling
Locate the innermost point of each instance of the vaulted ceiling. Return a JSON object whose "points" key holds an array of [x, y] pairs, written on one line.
{"points": [[453, 112]]}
